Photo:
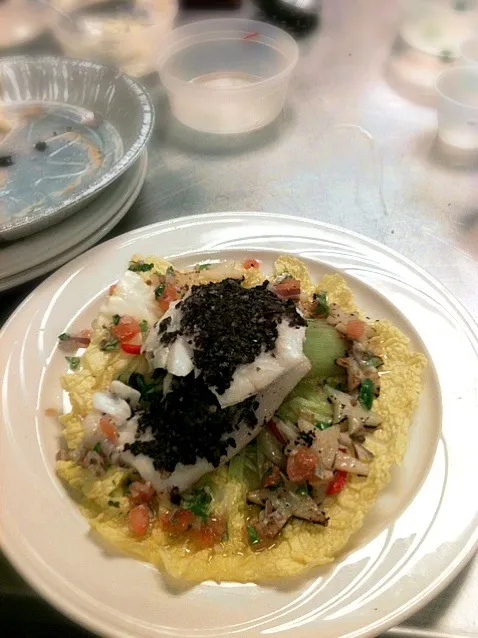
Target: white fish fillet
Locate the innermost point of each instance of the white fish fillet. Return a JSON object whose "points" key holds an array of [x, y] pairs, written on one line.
{"points": [[186, 475], [133, 297], [248, 379]]}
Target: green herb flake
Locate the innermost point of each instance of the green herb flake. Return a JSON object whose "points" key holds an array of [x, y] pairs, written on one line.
{"points": [[198, 503], [73, 362], [375, 362], [139, 266], [302, 489], [447, 56], [321, 307], [323, 425], [203, 266], [107, 345], [143, 326], [97, 447], [116, 319], [159, 290], [170, 270], [63, 337], [113, 503], [365, 395], [253, 535]]}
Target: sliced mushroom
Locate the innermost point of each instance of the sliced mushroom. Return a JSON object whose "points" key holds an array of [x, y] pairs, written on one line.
{"points": [[288, 503], [347, 463], [347, 407], [362, 453]]}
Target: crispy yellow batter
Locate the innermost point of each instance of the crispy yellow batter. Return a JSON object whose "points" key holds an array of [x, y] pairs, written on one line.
{"points": [[302, 545]]}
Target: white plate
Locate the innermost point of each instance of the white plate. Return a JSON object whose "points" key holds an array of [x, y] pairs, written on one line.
{"points": [[38, 254], [422, 530]]}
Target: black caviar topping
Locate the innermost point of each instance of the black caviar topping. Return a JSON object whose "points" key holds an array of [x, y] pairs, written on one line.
{"points": [[187, 423], [232, 325]]}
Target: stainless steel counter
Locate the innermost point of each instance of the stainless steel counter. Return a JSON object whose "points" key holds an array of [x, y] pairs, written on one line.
{"points": [[355, 147]]}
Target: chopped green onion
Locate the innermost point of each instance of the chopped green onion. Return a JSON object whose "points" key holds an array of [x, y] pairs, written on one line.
{"points": [[139, 266], [302, 489], [253, 535], [375, 362], [321, 307], [73, 362], [64, 336], [143, 326], [198, 503], [203, 266], [116, 319], [113, 503], [170, 270], [97, 447], [108, 344], [366, 393], [159, 290], [323, 425]]}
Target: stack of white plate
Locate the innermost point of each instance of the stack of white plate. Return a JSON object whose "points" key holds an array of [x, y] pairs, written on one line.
{"points": [[72, 159]]}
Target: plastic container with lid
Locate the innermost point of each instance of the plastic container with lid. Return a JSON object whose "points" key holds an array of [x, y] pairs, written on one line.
{"points": [[228, 75], [457, 106]]}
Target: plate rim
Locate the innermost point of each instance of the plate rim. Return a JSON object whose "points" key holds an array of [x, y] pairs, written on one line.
{"points": [[468, 549], [9, 231], [88, 242]]}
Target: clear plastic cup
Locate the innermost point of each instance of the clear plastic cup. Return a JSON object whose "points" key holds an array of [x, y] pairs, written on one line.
{"points": [[122, 34], [229, 75], [469, 51], [439, 27], [457, 90]]}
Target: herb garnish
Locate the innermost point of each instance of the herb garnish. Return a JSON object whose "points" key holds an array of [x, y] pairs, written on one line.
{"points": [[321, 307], [323, 425], [116, 319], [97, 447], [73, 362], [366, 393], [253, 535], [302, 489], [108, 344], [64, 336], [113, 503], [143, 326], [139, 266], [159, 290], [198, 502], [203, 266]]}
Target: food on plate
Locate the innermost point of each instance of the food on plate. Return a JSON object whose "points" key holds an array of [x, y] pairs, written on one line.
{"points": [[230, 425]]}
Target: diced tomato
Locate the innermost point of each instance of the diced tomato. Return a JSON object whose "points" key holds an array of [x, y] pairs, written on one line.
{"points": [[131, 348], [209, 533], [111, 289], [178, 521], [288, 289], [141, 492], [272, 477], [169, 294], [126, 329], [138, 520], [250, 263], [108, 428], [275, 431], [338, 483], [301, 466], [355, 329]]}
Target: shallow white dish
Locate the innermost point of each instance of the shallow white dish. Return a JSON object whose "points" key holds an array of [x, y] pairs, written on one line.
{"points": [[38, 254], [422, 530]]}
